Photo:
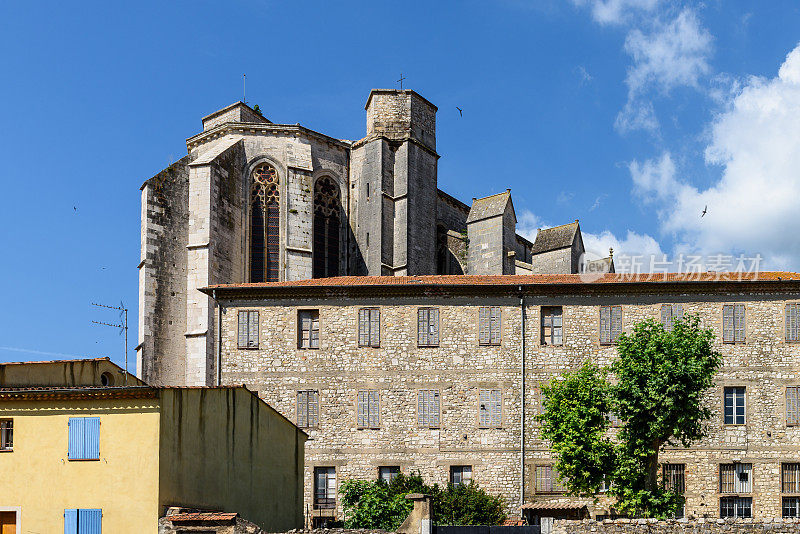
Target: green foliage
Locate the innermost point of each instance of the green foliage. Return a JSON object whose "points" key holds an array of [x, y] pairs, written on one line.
{"points": [[660, 378], [258, 110], [375, 504]]}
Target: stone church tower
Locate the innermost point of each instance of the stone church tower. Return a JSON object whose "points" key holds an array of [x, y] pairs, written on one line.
{"points": [[254, 201]]}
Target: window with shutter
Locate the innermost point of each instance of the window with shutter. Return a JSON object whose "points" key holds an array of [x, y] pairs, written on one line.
{"points": [[792, 406], [610, 324], [792, 323], [460, 474], [368, 409], [790, 478], [83, 521], [428, 408], [546, 480], [369, 327], [671, 313], [308, 329], [387, 473], [308, 409], [71, 521], [428, 327], [733, 323], [734, 405], [490, 408], [735, 478], [84, 438], [551, 325], [248, 329], [6, 434], [489, 325]]}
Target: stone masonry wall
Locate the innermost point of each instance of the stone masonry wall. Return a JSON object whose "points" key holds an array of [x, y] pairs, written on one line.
{"points": [[459, 368], [644, 526]]}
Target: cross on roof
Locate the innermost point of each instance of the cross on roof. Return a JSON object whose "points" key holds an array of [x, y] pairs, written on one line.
{"points": [[401, 80]]}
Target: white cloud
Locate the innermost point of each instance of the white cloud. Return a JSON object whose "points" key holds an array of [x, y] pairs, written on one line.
{"points": [[616, 11], [756, 142], [670, 55]]}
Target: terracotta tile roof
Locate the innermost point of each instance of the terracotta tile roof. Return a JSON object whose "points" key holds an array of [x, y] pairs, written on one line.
{"points": [[203, 516], [555, 238], [105, 359], [517, 280], [555, 505]]}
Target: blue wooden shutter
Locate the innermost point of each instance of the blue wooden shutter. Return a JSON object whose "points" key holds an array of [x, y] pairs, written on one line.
{"points": [[89, 521], [242, 329], [252, 330], [71, 521], [605, 324], [91, 439], [727, 324], [494, 330], [483, 326], [375, 327], [76, 432]]}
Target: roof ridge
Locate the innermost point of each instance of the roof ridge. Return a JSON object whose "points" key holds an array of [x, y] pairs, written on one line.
{"points": [[559, 225]]}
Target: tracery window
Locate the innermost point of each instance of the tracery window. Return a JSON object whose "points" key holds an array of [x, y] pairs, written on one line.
{"points": [[327, 213], [264, 225]]}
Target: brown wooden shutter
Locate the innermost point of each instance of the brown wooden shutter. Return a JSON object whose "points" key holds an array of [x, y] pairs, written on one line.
{"points": [[375, 327], [374, 409], [616, 322], [727, 324], [494, 337], [363, 327], [739, 336], [605, 324], [483, 325], [242, 342], [252, 330]]}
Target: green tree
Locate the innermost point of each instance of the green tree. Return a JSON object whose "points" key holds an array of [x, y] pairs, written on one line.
{"points": [[659, 379], [376, 504], [258, 110]]}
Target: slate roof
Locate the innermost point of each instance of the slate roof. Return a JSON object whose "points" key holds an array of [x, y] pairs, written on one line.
{"points": [[491, 206], [555, 238]]}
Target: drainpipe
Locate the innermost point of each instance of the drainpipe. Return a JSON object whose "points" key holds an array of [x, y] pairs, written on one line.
{"points": [[522, 417], [219, 336]]}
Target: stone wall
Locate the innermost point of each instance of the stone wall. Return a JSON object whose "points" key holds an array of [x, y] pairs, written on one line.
{"points": [[459, 368], [700, 526]]}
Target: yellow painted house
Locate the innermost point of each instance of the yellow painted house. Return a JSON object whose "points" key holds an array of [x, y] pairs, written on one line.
{"points": [[86, 448]]}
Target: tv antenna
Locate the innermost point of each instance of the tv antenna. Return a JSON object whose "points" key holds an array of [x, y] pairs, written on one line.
{"points": [[123, 327], [244, 88]]}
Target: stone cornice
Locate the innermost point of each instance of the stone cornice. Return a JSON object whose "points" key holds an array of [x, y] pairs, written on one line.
{"points": [[410, 138], [244, 128]]}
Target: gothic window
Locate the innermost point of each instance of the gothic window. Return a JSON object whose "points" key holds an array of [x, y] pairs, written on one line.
{"points": [[264, 225], [327, 211]]}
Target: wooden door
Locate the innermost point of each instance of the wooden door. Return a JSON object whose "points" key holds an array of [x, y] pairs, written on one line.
{"points": [[8, 523]]}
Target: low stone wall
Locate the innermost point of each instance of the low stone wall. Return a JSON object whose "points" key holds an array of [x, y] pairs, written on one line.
{"points": [[676, 526], [335, 531]]}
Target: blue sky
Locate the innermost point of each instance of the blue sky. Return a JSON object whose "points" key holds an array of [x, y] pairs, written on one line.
{"points": [[630, 115]]}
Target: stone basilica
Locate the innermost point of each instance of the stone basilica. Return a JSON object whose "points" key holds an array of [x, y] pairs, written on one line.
{"points": [[254, 201]]}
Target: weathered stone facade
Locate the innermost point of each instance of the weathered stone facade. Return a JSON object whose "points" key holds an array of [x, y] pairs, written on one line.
{"points": [[765, 364], [200, 227], [700, 526]]}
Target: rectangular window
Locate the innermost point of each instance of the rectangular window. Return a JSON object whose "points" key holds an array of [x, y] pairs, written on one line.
{"points": [[735, 507], [369, 327], [792, 406], [387, 473], [83, 521], [308, 408], [84, 438], [489, 325], [460, 474], [368, 409], [735, 478], [674, 477], [790, 478], [734, 408], [671, 313], [546, 480], [6, 434], [308, 328], [733, 323], [428, 327], [610, 324], [490, 408], [248, 329], [552, 325], [324, 487], [792, 323], [790, 507], [428, 408]]}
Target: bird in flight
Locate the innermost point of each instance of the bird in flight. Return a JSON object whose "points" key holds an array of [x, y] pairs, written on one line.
{"points": [[705, 210], [460, 114]]}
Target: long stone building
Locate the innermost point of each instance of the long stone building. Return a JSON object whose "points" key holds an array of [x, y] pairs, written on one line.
{"points": [[441, 375], [254, 201]]}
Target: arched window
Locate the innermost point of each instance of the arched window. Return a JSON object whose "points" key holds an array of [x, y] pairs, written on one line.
{"points": [[327, 211], [264, 225]]}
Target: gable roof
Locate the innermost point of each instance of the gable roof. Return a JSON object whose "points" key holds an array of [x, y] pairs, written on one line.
{"points": [[491, 206], [555, 238], [603, 265]]}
